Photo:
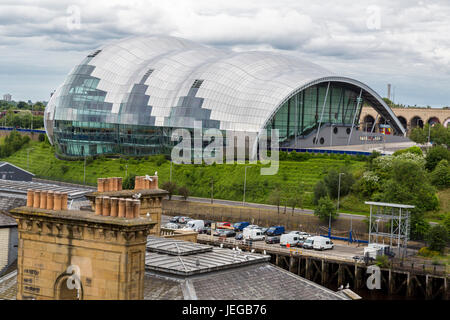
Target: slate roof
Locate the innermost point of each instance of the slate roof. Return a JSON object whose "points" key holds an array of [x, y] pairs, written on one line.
{"points": [[6, 221], [8, 286], [230, 277]]}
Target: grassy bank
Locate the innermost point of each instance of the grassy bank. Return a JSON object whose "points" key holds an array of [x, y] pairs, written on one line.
{"points": [[292, 177]]}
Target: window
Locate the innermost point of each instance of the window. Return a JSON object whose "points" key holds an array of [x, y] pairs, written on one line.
{"points": [[94, 53], [197, 83]]}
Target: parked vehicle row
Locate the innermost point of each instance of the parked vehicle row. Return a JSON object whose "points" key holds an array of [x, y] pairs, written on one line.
{"points": [[249, 232]]}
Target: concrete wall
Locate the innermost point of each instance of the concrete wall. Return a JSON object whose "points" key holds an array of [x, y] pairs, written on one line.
{"points": [[4, 245], [262, 217]]}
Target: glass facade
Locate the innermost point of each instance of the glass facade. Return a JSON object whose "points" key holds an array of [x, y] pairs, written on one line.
{"points": [[302, 113], [126, 97]]}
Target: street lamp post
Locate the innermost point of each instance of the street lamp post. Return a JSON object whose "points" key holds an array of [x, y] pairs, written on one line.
{"points": [[84, 171], [212, 189], [339, 193], [245, 182], [28, 155]]}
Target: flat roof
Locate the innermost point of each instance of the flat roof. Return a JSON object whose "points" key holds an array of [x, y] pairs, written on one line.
{"points": [[394, 205], [175, 247], [21, 187]]}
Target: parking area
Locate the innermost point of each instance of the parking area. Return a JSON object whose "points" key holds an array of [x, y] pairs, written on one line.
{"points": [[341, 249]]}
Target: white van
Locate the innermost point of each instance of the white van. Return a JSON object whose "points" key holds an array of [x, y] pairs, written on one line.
{"points": [[291, 238], [322, 243], [195, 225], [252, 234]]}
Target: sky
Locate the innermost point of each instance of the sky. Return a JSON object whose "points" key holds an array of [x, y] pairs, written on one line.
{"points": [[405, 43]]}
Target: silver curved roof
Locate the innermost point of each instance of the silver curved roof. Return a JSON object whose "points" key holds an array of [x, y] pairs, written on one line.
{"points": [[240, 90]]}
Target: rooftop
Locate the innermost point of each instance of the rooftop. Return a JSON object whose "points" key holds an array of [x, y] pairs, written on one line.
{"points": [[21, 187]]}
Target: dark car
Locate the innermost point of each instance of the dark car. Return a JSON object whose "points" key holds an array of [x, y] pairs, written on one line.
{"points": [[273, 239], [175, 219], [275, 231], [205, 230], [239, 226], [300, 243], [239, 236], [225, 233], [207, 223]]}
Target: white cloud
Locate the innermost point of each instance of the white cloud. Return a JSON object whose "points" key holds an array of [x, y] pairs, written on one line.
{"points": [[410, 48]]}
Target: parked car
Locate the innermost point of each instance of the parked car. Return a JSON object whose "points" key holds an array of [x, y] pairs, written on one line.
{"points": [[184, 220], [205, 230], [303, 235], [239, 236], [292, 239], [224, 225], [239, 226], [273, 239], [175, 219], [225, 233], [322, 243], [253, 234], [171, 225], [275, 231], [194, 225]]}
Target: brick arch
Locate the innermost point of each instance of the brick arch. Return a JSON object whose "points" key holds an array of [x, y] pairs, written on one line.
{"points": [[446, 122], [433, 119], [416, 121], [368, 122], [403, 121]]}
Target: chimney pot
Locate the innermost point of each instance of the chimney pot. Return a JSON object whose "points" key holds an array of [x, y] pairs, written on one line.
{"points": [[57, 201], [43, 200], [122, 208], [98, 206], [129, 213], [64, 198], [37, 199], [106, 206], [136, 208], [100, 185], [50, 196], [30, 197], [114, 207]]}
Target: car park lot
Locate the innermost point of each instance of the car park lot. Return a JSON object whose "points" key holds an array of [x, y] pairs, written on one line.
{"points": [[341, 250]]}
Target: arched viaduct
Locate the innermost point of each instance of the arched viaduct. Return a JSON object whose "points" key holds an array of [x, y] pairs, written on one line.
{"points": [[409, 117]]}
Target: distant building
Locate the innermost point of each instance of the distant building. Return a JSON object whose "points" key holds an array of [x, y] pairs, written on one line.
{"points": [[9, 171], [7, 97]]}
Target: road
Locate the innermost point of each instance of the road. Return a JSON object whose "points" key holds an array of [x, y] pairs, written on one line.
{"points": [[261, 206]]}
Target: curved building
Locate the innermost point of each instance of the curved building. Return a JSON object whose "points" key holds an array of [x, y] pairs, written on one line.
{"points": [[126, 97]]}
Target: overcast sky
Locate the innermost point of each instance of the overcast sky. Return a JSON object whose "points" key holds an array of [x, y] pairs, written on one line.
{"points": [[403, 42]]}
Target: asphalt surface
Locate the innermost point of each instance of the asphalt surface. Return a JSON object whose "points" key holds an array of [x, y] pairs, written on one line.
{"points": [[341, 249], [259, 205]]}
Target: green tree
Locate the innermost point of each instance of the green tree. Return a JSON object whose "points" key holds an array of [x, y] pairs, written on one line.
{"points": [[325, 208], [128, 182], [295, 201], [437, 238], [320, 191], [440, 177], [184, 192], [419, 226], [170, 187], [332, 182], [275, 198], [434, 155], [418, 135]]}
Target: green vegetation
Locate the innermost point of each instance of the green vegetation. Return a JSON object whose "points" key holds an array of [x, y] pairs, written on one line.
{"points": [[439, 134], [325, 209], [437, 238]]}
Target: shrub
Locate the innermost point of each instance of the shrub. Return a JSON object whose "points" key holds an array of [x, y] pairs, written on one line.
{"points": [[414, 150], [435, 155], [41, 137], [332, 182], [440, 176], [382, 261], [426, 252], [437, 238], [64, 168]]}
